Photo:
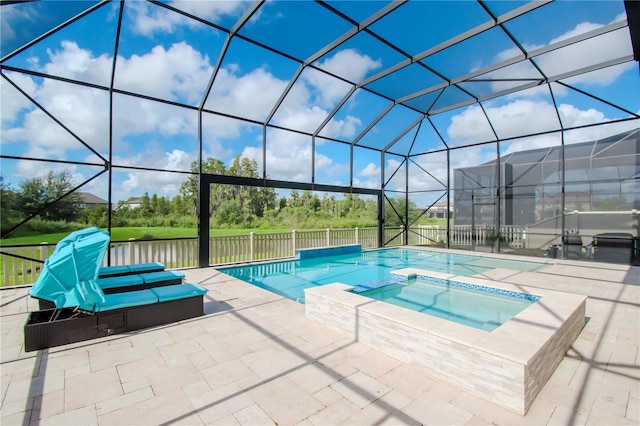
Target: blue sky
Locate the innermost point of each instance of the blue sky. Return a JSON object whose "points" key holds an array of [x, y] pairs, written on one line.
{"points": [[164, 55]]}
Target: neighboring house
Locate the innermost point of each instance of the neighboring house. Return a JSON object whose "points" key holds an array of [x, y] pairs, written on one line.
{"points": [[134, 203], [87, 200], [439, 211]]}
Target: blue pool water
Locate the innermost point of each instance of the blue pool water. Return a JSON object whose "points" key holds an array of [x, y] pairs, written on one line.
{"points": [[369, 269], [475, 308]]}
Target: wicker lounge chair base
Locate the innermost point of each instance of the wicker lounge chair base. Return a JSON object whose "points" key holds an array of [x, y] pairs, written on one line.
{"points": [[41, 331]]}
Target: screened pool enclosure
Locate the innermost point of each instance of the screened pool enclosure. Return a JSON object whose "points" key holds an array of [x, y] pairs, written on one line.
{"points": [[517, 120]]}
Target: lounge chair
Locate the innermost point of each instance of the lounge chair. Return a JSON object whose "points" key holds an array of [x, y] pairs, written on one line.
{"points": [[85, 313], [112, 285], [83, 310], [77, 258]]}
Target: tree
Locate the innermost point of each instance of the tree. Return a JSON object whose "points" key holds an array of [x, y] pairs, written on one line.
{"points": [[145, 205], [179, 206], [189, 188], [8, 212], [248, 202], [37, 192], [294, 200], [398, 217], [96, 216]]}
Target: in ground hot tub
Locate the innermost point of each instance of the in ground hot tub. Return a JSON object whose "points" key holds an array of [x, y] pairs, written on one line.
{"points": [[507, 366]]}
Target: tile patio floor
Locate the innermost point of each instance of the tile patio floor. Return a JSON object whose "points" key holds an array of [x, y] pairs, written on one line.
{"points": [[254, 359]]}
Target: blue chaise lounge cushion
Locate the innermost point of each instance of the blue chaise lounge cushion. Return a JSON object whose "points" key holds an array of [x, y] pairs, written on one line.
{"points": [[113, 270], [178, 291], [127, 300], [138, 268], [154, 277], [122, 281]]}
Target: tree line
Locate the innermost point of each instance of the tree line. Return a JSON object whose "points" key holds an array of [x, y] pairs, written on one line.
{"points": [[231, 206]]}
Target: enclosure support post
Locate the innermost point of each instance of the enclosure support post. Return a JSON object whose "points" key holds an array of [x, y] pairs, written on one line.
{"points": [[293, 241], [381, 219], [204, 190]]}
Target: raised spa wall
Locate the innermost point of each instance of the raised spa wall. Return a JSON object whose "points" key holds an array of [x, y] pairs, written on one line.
{"points": [[507, 366]]}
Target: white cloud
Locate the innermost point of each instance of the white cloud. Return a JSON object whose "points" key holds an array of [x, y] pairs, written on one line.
{"points": [[370, 170], [306, 119], [346, 128], [135, 183], [180, 73], [178, 160], [328, 90], [523, 117], [149, 19], [288, 155], [85, 110], [45, 139], [373, 183], [26, 169], [470, 126], [252, 95], [599, 132], [396, 173], [13, 102], [596, 50], [26, 13], [75, 63], [574, 117], [315, 94], [349, 64], [436, 165], [332, 167]]}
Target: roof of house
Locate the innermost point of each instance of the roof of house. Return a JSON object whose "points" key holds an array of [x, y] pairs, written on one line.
{"points": [[89, 198], [133, 201]]}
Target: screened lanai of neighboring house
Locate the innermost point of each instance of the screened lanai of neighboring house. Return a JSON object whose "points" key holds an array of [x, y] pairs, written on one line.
{"points": [[501, 113]]}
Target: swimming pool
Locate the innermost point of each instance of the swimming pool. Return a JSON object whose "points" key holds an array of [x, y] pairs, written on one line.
{"points": [[366, 269], [478, 308]]}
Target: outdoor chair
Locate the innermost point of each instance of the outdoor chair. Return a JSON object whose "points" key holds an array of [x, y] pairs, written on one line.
{"points": [[77, 305], [86, 312], [109, 285]]}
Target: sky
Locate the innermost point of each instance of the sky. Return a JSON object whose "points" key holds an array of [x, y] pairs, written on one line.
{"points": [[164, 55]]}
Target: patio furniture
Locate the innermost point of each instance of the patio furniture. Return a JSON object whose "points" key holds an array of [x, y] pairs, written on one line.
{"points": [[46, 296], [86, 313], [78, 257], [76, 305], [614, 247]]}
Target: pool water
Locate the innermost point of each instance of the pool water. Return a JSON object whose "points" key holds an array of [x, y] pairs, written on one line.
{"points": [[369, 268], [479, 309]]}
